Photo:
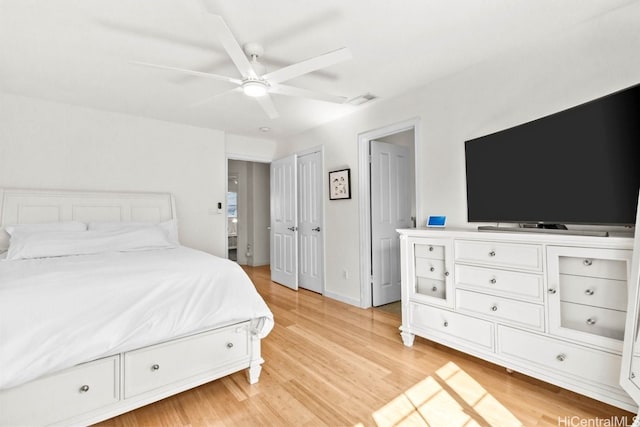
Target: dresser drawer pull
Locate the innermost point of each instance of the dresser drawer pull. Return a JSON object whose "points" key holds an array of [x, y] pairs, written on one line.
{"points": [[493, 281], [494, 307], [589, 292], [432, 269], [430, 248], [434, 289], [445, 324], [587, 262], [84, 389], [155, 367], [552, 291], [591, 321], [561, 357], [229, 345], [492, 253]]}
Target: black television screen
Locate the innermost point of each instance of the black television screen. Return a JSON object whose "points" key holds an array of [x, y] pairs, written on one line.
{"points": [[578, 166]]}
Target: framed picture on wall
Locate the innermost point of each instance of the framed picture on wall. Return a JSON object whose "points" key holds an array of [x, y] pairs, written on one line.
{"points": [[340, 184]]}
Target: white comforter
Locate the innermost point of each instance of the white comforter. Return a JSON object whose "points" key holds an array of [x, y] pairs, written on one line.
{"points": [[58, 312]]}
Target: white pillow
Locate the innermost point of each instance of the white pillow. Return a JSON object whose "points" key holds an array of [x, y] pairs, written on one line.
{"points": [[47, 226], [26, 245], [170, 227]]}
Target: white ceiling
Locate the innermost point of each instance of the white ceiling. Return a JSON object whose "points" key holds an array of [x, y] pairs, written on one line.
{"points": [[80, 51]]}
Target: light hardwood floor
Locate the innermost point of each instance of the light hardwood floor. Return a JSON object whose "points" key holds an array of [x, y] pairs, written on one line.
{"points": [[331, 364]]}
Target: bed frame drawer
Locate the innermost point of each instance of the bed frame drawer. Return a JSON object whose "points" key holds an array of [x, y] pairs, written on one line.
{"points": [[56, 397], [163, 364]]}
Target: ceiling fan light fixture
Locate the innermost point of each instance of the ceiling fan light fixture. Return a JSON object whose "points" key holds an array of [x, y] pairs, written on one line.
{"points": [[254, 88]]}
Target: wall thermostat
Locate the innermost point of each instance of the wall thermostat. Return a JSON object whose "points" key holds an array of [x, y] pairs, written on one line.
{"points": [[436, 221]]}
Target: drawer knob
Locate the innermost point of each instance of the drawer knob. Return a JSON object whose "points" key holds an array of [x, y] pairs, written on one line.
{"points": [[432, 269], [589, 292], [492, 253], [587, 262], [229, 345], [435, 288], [430, 248], [552, 291], [591, 321], [84, 389], [561, 357], [446, 273], [155, 367], [446, 324], [494, 307], [493, 281]]}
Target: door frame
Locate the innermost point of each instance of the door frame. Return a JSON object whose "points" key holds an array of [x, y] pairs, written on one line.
{"points": [[364, 187], [244, 158]]}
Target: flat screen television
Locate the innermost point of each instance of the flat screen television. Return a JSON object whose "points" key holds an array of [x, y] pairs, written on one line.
{"points": [[578, 166]]}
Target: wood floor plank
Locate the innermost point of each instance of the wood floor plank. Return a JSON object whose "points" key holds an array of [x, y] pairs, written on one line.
{"points": [[332, 364]]}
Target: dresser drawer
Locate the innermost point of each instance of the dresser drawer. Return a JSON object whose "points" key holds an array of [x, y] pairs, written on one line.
{"points": [[430, 268], [509, 255], [581, 362], [450, 325], [159, 365], [593, 320], [594, 291], [62, 395], [501, 309], [431, 287], [500, 282], [429, 251], [593, 267]]}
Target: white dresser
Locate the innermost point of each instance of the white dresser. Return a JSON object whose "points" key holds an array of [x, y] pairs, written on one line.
{"points": [[550, 306]]}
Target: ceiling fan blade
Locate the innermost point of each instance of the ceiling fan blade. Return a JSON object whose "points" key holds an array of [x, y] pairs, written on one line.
{"points": [[231, 45], [295, 91], [309, 65], [192, 72], [267, 105]]}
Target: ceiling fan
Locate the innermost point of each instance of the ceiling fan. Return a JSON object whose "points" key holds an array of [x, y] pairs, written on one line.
{"points": [[255, 82]]}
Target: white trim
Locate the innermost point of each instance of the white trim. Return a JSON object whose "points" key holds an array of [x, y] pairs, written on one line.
{"points": [[364, 202], [342, 298], [248, 158]]}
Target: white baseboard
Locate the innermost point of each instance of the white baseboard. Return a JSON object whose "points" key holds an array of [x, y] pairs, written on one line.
{"points": [[342, 298]]}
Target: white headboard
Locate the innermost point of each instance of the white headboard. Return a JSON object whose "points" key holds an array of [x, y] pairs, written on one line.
{"points": [[23, 206]]}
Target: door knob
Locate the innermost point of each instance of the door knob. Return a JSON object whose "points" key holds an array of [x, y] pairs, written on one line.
{"points": [[316, 229], [291, 228]]}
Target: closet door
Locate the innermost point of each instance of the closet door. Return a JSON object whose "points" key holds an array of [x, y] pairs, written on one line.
{"points": [[310, 221], [284, 222]]}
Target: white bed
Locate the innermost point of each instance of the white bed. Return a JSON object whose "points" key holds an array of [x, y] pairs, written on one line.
{"points": [[90, 336]]}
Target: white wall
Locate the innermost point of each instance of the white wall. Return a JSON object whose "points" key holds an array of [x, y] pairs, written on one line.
{"points": [[50, 145], [252, 149], [558, 72]]}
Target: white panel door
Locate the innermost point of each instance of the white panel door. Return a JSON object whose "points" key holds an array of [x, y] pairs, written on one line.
{"points": [[390, 209], [310, 233], [284, 222]]}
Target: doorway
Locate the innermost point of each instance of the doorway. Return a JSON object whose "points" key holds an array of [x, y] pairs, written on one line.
{"points": [[379, 243], [248, 212]]}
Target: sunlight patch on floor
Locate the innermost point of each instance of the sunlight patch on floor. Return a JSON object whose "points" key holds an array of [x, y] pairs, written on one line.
{"points": [[451, 398]]}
